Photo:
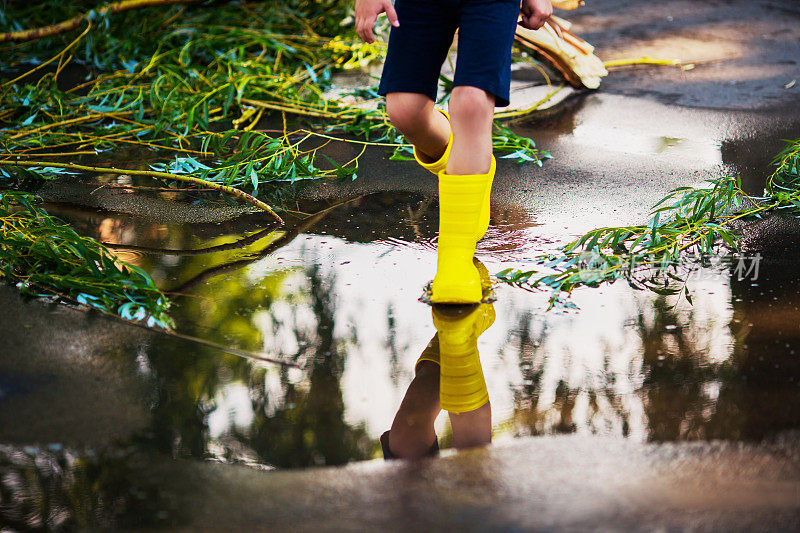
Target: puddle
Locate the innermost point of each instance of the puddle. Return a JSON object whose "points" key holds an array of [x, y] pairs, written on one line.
{"points": [[334, 296], [339, 300]]}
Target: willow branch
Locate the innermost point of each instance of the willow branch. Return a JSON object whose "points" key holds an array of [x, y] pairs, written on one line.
{"points": [[285, 239], [241, 243], [237, 193], [70, 24]]}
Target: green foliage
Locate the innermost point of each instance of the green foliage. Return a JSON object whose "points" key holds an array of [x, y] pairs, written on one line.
{"points": [[686, 227], [254, 158], [43, 255], [518, 148], [170, 78], [187, 83], [786, 178], [169, 82]]}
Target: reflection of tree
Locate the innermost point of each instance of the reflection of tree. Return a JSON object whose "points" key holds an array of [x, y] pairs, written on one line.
{"points": [[675, 393], [759, 392], [531, 416], [222, 301], [308, 426], [675, 371], [395, 351], [685, 394], [537, 415], [526, 398], [749, 396], [299, 424], [188, 380]]}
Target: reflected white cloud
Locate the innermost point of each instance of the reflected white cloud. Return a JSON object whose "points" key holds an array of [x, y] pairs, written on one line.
{"points": [[546, 372]]}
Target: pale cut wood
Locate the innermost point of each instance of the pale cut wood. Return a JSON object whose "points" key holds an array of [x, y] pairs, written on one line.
{"points": [[569, 54]]}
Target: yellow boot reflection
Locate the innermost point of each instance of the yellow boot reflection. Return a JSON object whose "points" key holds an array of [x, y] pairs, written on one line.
{"points": [[448, 376], [462, 387]]}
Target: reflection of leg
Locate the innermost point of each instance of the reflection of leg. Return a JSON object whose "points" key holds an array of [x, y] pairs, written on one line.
{"points": [[473, 428], [412, 434], [462, 387]]}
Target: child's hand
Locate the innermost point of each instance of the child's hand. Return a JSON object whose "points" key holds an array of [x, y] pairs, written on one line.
{"points": [[534, 13], [367, 12]]}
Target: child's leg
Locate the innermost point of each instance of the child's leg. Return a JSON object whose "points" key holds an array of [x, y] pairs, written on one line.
{"points": [[481, 81], [412, 434], [473, 428], [415, 117], [417, 49], [471, 115], [464, 193]]}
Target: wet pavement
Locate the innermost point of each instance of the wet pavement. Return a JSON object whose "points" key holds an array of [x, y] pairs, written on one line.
{"points": [[631, 413]]}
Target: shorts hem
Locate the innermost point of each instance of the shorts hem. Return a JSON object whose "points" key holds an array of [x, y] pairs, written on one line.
{"points": [[501, 98], [383, 90]]}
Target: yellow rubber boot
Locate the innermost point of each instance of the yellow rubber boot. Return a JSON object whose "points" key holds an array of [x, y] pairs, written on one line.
{"points": [[487, 203], [431, 351], [461, 200], [483, 272], [462, 387], [441, 163]]}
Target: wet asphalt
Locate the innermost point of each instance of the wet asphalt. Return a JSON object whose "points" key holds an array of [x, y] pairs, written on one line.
{"points": [[615, 153]]}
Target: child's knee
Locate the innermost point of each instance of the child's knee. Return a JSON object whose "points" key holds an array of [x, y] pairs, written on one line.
{"points": [[405, 444], [405, 110], [471, 103]]}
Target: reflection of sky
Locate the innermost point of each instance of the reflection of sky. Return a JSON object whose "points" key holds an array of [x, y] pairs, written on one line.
{"points": [[634, 141], [615, 124], [233, 409], [595, 352]]}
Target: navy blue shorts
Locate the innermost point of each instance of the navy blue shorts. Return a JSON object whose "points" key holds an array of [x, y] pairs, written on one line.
{"points": [[418, 47]]}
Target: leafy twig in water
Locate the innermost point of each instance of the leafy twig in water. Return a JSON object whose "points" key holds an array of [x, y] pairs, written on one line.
{"points": [[42, 254], [687, 221]]}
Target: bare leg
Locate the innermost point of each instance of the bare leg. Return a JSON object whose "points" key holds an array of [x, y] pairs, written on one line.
{"points": [[471, 115], [473, 428], [415, 117], [412, 432]]}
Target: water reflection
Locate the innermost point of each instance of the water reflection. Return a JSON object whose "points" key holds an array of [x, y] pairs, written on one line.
{"points": [[447, 376], [283, 416], [336, 293]]}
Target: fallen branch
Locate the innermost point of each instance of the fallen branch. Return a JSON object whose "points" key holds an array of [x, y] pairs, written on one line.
{"points": [[241, 243], [70, 24], [250, 199], [282, 241]]}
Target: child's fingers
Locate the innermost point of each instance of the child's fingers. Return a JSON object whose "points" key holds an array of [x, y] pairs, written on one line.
{"points": [[390, 13], [534, 22], [359, 29], [364, 28]]}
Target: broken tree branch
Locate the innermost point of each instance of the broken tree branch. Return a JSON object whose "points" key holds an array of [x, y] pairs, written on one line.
{"points": [[238, 193], [70, 24]]}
